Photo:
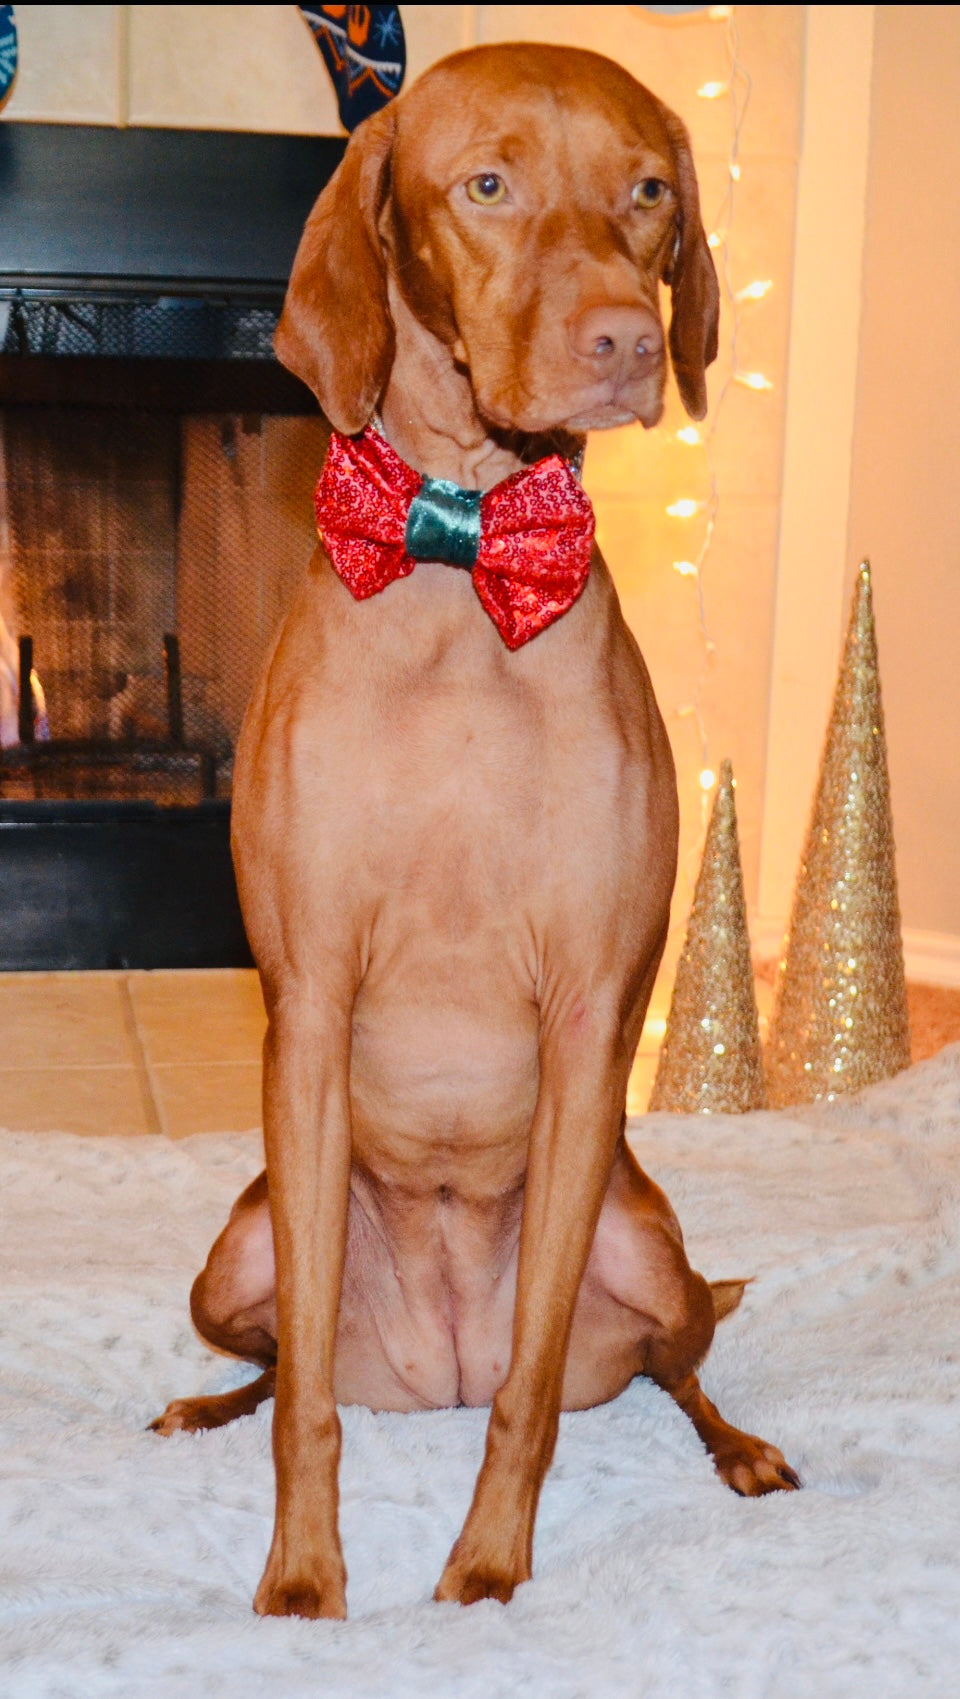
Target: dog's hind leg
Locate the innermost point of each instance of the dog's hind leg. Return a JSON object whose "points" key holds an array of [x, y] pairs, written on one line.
{"points": [[747, 1463], [639, 1260], [190, 1415], [233, 1304]]}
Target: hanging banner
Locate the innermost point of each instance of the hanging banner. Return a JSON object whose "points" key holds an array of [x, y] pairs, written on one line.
{"points": [[364, 50], [8, 51]]}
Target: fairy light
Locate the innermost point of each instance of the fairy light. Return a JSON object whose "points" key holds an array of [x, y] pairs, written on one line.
{"points": [[755, 291], [736, 86]]}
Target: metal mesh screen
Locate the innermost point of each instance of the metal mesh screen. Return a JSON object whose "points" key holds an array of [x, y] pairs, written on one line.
{"points": [[169, 327], [118, 529]]}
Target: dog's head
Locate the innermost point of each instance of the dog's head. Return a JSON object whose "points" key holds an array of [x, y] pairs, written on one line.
{"points": [[528, 201]]}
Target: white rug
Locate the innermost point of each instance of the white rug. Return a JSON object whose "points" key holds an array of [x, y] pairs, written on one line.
{"points": [[128, 1562]]}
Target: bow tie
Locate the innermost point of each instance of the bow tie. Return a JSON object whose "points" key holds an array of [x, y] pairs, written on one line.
{"points": [[526, 542]]}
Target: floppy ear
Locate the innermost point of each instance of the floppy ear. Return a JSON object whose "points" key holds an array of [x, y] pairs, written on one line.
{"points": [[335, 331], [692, 277]]}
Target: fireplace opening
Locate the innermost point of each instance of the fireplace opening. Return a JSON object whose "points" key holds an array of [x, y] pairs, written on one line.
{"points": [[148, 554], [155, 519]]}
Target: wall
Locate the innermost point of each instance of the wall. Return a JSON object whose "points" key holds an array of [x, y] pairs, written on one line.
{"points": [[904, 509]]}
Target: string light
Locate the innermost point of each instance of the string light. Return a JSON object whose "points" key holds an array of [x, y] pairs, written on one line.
{"points": [[755, 291], [737, 86]]}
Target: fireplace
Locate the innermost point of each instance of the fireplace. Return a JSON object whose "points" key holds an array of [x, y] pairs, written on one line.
{"points": [[156, 470]]}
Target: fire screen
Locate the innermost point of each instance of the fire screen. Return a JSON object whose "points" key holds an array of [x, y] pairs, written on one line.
{"points": [[148, 554]]}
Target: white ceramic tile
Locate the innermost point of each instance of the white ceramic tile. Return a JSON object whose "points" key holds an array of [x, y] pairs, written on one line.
{"points": [[68, 68]]}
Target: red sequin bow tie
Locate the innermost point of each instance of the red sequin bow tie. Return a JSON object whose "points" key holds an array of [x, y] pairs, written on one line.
{"points": [[526, 542]]}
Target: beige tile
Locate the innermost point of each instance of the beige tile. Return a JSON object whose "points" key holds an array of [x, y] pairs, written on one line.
{"points": [[68, 1019], [212, 1097], [72, 1100], [190, 1016], [187, 67], [69, 64], [196, 66]]}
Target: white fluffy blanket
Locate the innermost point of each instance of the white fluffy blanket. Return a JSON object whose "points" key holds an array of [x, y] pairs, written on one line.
{"points": [[128, 1562]]}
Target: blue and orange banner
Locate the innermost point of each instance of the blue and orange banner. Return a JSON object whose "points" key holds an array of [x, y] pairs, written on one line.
{"points": [[364, 50], [8, 51]]}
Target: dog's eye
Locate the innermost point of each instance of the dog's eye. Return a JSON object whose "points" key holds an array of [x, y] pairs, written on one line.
{"points": [[648, 193], [487, 189]]}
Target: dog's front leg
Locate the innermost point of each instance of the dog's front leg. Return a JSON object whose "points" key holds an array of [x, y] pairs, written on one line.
{"points": [[308, 1144], [572, 1143]]}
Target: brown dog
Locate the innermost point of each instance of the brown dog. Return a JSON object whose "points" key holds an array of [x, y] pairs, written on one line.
{"points": [[456, 861]]}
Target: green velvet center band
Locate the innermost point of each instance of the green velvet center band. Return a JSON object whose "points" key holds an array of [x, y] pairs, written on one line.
{"points": [[444, 523]]}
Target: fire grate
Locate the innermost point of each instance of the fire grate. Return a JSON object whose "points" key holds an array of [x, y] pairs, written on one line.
{"points": [[168, 327]]}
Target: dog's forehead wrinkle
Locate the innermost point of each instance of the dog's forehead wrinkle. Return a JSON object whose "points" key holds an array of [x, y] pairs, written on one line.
{"points": [[530, 121]]}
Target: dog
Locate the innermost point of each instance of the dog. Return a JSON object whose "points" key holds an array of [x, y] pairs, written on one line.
{"points": [[455, 818]]}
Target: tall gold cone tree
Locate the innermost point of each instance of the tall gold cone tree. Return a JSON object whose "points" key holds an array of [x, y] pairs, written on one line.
{"points": [[711, 1060], [840, 1011]]}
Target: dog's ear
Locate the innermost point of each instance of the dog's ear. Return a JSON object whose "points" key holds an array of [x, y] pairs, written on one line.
{"points": [[692, 277], [335, 331]]}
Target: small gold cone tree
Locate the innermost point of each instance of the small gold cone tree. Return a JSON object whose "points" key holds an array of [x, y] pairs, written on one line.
{"points": [[711, 1060], [840, 1010]]}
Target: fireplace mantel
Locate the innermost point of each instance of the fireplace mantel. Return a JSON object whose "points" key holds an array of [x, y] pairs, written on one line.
{"points": [[86, 210]]}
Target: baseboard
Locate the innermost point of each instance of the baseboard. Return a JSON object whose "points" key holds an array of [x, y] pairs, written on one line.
{"points": [[933, 958]]}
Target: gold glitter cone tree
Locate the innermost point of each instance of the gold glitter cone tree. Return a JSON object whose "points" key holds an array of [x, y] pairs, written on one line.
{"points": [[711, 1059], [840, 1011]]}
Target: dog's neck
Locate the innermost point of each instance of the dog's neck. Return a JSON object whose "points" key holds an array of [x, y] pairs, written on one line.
{"points": [[429, 415]]}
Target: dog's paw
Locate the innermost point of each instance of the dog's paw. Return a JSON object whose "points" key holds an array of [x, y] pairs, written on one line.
{"points": [[183, 1416], [752, 1467], [308, 1593], [471, 1575]]}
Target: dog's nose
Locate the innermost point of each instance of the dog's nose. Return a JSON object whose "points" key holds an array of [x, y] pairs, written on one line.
{"points": [[619, 341]]}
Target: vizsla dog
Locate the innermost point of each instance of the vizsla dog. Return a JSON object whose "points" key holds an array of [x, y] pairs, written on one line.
{"points": [[455, 827]]}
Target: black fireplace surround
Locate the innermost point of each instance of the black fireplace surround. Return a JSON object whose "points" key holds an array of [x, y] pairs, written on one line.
{"points": [[141, 276]]}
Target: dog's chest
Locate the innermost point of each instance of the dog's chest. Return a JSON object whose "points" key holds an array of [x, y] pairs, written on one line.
{"points": [[469, 798]]}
